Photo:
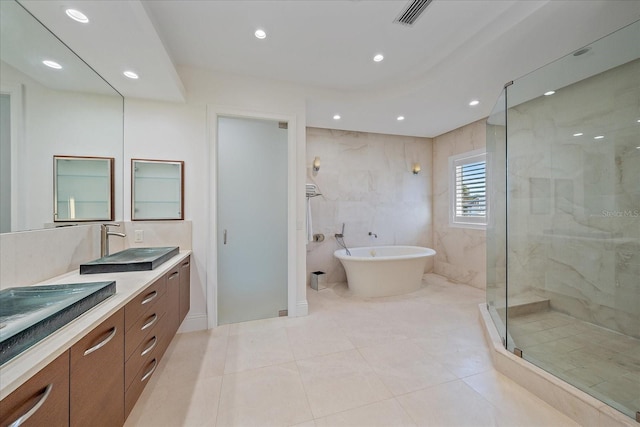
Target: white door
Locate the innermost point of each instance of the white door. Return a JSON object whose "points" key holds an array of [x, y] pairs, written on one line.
{"points": [[252, 219]]}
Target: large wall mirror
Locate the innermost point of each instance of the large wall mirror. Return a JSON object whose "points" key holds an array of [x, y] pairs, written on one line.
{"points": [[46, 111]]}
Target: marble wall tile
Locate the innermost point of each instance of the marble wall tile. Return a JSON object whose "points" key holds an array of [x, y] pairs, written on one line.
{"points": [[460, 252], [366, 183], [29, 257]]}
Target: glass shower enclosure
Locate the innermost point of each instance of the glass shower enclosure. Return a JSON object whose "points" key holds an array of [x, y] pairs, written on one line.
{"points": [[563, 243]]}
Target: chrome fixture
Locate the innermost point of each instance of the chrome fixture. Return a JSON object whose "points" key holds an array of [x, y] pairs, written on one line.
{"points": [[373, 234], [340, 240], [104, 237]]}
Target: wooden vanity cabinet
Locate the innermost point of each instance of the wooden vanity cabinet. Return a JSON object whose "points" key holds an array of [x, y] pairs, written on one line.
{"points": [[185, 288], [145, 320], [97, 376], [173, 301], [99, 379], [43, 400]]}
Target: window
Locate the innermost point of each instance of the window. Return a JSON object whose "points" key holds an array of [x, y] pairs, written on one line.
{"points": [[468, 189]]}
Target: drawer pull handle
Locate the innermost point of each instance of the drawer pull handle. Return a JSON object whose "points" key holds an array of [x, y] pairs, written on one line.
{"points": [[174, 274], [149, 298], [186, 264], [25, 417], [150, 323], [148, 374], [103, 342], [151, 347]]}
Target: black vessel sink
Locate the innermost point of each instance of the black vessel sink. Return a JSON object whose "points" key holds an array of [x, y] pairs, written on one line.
{"points": [[31, 313], [132, 259]]}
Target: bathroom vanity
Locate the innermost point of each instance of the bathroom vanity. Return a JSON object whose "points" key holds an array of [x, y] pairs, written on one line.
{"points": [[92, 371]]}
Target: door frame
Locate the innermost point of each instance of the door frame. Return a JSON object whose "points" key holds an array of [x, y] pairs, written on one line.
{"points": [[213, 113]]}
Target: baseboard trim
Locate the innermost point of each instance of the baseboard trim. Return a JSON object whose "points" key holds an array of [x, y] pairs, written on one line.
{"points": [[197, 322]]}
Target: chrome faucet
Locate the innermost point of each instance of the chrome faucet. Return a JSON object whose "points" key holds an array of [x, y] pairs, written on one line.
{"points": [[104, 237]]}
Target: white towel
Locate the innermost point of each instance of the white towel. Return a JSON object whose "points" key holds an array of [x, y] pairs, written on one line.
{"points": [[309, 224]]}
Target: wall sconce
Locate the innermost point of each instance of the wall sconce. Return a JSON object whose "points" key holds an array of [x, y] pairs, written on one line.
{"points": [[316, 164], [416, 168]]}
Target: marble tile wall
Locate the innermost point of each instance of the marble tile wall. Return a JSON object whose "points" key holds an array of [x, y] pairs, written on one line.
{"points": [[30, 257], [366, 183], [574, 212], [460, 252]]}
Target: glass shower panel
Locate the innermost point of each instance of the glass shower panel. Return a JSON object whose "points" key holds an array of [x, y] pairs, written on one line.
{"points": [[573, 218], [496, 227]]}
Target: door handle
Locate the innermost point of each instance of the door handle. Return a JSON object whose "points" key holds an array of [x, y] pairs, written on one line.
{"points": [[224, 238]]}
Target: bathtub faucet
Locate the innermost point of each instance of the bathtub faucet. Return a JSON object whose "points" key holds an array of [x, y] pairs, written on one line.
{"points": [[373, 234]]}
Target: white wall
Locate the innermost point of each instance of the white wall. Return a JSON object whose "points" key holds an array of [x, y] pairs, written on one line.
{"points": [[366, 182], [159, 130]]}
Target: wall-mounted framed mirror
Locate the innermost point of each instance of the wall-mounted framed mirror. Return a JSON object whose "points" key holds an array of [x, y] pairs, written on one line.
{"points": [[48, 111], [157, 190], [82, 189]]}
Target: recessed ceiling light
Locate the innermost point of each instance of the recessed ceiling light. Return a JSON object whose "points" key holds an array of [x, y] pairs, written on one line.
{"points": [[551, 92], [400, 118], [578, 134], [379, 57], [260, 34], [336, 117], [78, 16], [52, 64], [598, 137], [474, 103], [638, 120], [130, 74]]}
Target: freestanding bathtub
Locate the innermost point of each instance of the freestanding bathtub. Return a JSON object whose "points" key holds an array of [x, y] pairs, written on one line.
{"points": [[384, 270]]}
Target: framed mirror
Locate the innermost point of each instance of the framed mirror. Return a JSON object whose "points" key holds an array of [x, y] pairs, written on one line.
{"points": [[82, 189], [157, 190], [45, 112]]}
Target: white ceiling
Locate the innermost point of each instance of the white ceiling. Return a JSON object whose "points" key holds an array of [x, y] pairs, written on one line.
{"points": [[457, 50]]}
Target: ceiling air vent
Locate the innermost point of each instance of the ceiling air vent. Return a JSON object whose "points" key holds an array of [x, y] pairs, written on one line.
{"points": [[412, 12]]}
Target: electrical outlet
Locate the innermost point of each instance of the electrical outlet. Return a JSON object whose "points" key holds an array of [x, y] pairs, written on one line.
{"points": [[139, 236]]}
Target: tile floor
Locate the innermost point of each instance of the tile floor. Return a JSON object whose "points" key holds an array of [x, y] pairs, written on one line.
{"points": [[599, 361], [413, 360]]}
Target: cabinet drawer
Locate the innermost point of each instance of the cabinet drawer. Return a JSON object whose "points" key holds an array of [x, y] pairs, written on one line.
{"points": [[141, 328], [145, 351], [97, 375], [45, 397], [140, 304], [141, 379]]}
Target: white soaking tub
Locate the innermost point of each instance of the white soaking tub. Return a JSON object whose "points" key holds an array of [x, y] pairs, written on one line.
{"points": [[380, 271]]}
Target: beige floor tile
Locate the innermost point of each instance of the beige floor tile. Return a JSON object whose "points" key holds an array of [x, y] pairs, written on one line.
{"points": [[340, 381], [515, 405], [190, 404], [257, 349], [404, 367], [270, 396], [450, 404], [191, 356], [317, 339], [283, 371], [380, 414]]}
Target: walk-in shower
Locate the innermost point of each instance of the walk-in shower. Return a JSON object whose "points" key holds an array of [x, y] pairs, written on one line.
{"points": [[563, 244]]}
